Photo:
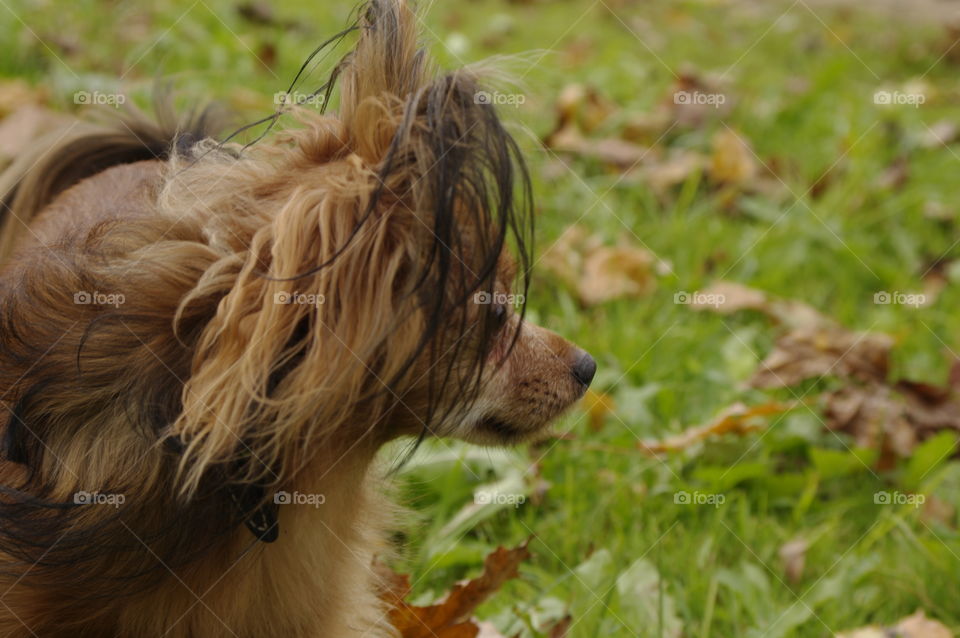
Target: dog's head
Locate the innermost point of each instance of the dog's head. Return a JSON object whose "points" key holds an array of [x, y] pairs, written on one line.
{"points": [[375, 292]]}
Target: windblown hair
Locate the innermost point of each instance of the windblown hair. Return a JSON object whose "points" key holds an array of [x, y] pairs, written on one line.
{"points": [[407, 202], [387, 217]]}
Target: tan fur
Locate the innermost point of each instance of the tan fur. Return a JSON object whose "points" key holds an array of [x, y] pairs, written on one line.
{"points": [[205, 351]]}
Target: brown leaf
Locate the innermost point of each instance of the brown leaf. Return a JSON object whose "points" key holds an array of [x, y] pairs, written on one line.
{"points": [[896, 176], [738, 419], [597, 405], [793, 554], [731, 297], [562, 627], [612, 272], [599, 272], [581, 111], [677, 168], [940, 134], [915, 626], [584, 107], [450, 618], [24, 126], [15, 94], [615, 152], [734, 297], [733, 161], [812, 352], [878, 414]]}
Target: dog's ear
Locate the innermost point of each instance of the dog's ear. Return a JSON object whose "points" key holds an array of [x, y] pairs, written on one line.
{"points": [[380, 76]]}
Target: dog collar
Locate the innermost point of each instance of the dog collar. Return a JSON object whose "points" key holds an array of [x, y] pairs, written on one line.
{"points": [[262, 521]]}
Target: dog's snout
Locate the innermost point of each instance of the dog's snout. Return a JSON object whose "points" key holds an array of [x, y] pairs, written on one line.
{"points": [[584, 367]]}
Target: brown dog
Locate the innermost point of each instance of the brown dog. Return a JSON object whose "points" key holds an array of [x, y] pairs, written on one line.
{"points": [[198, 341]]}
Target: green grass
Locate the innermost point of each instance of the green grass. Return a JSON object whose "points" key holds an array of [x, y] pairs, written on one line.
{"points": [[604, 512]]}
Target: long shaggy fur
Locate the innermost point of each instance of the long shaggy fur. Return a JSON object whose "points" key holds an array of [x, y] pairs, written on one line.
{"points": [[197, 327]]}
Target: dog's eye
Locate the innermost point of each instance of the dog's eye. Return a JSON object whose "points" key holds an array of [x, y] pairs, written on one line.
{"points": [[499, 314]]}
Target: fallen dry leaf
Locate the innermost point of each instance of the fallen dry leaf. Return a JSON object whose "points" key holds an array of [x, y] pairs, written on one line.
{"points": [[15, 94], [942, 133], [891, 417], [732, 161], [737, 419], [581, 111], [612, 272], [584, 107], [25, 125], [598, 272], [793, 555], [451, 618], [812, 352], [562, 627], [597, 405], [663, 174], [915, 626]]}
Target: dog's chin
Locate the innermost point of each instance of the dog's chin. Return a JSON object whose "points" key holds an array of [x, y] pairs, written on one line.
{"points": [[493, 431]]}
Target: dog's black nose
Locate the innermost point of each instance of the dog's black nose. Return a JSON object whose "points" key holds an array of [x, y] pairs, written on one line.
{"points": [[584, 368]]}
